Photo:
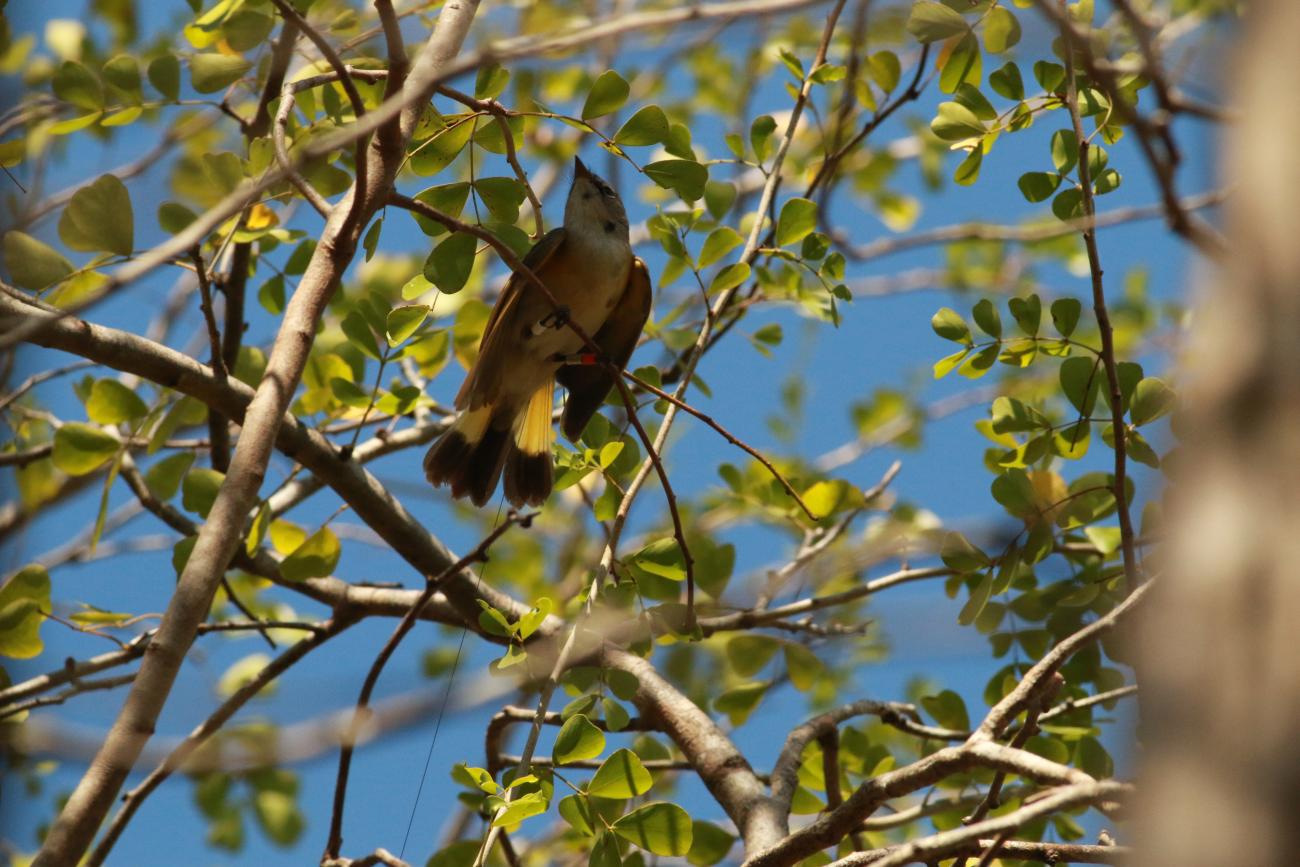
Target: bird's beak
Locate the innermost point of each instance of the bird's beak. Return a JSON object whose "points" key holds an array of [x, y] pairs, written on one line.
{"points": [[579, 169]]}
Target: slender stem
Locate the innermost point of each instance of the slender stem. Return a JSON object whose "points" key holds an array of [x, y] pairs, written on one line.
{"points": [[1131, 571]]}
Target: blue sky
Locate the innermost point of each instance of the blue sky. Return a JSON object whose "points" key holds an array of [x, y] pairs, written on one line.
{"points": [[882, 342]]}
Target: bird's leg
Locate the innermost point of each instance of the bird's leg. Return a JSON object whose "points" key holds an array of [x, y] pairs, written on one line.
{"points": [[557, 318], [586, 359]]}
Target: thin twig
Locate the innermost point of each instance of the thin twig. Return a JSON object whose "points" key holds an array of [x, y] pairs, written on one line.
{"points": [[432, 584], [1131, 572], [728, 436]]}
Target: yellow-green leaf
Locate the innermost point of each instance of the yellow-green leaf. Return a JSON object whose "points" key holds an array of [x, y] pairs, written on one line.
{"points": [[314, 558], [578, 739], [659, 827], [22, 599], [99, 218], [111, 402], [622, 775], [82, 448], [33, 264]]}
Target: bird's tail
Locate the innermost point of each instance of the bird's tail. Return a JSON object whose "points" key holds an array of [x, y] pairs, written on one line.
{"points": [[481, 443], [470, 455], [528, 464]]}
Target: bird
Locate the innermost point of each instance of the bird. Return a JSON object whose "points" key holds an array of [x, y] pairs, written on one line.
{"points": [[505, 403]]}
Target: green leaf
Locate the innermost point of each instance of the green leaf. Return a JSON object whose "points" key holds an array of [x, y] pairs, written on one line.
{"points": [[658, 827], [685, 177], [449, 265], [403, 321], [1006, 81], [803, 666], [213, 71], [932, 22], [437, 152], [662, 557], [720, 242], [491, 81], [279, 816], [948, 324], [709, 844], [164, 74], [314, 558], [22, 599], [33, 264], [578, 813], [578, 739], [948, 710], [1068, 204], [1152, 399], [719, 196], [1049, 75], [123, 74], [503, 196], [447, 199], [1065, 150], [958, 553], [173, 217], [1081, 381], [987, 318], [1038, 186], [729, 277], [608, 93], [99, 218], [199, 490], [1107, 182], [1001, 30], [979, 598], [164, 478], [1015, 492], [622, 775], [648, 126], [111, 402], [948, 364], [81, 448], [964, 65], [739, 701], [760, 136], [885, 70], [797, 221], [1065, 315], [76, 84], [747, 654], [956, 122]]}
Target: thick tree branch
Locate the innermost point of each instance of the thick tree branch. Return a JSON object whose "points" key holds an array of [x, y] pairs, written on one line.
{"points": [[220, 536]]}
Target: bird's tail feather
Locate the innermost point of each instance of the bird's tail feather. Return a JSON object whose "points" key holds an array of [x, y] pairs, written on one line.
{"points": [[470, 455], [528, 469]]}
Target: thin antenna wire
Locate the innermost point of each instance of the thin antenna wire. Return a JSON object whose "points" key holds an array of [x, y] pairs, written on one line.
{"points": [[446, 700]]}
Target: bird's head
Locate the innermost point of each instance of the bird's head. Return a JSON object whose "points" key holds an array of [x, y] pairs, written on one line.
{"points": [[593, 205]]}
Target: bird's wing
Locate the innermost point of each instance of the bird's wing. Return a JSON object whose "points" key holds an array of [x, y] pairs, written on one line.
{"points": [[534, 260], [588, 385]]}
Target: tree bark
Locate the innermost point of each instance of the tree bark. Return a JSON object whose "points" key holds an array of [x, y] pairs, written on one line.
{"points": [[1220, 666]]}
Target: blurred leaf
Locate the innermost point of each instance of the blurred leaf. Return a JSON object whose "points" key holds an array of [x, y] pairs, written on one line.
{"points": [[81, 448], [99, 218], [22, 599], [608, 93], [33, 264], [213, 71]]}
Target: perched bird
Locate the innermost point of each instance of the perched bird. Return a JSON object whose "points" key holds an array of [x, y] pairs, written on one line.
{"points": [[505, 402]]}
